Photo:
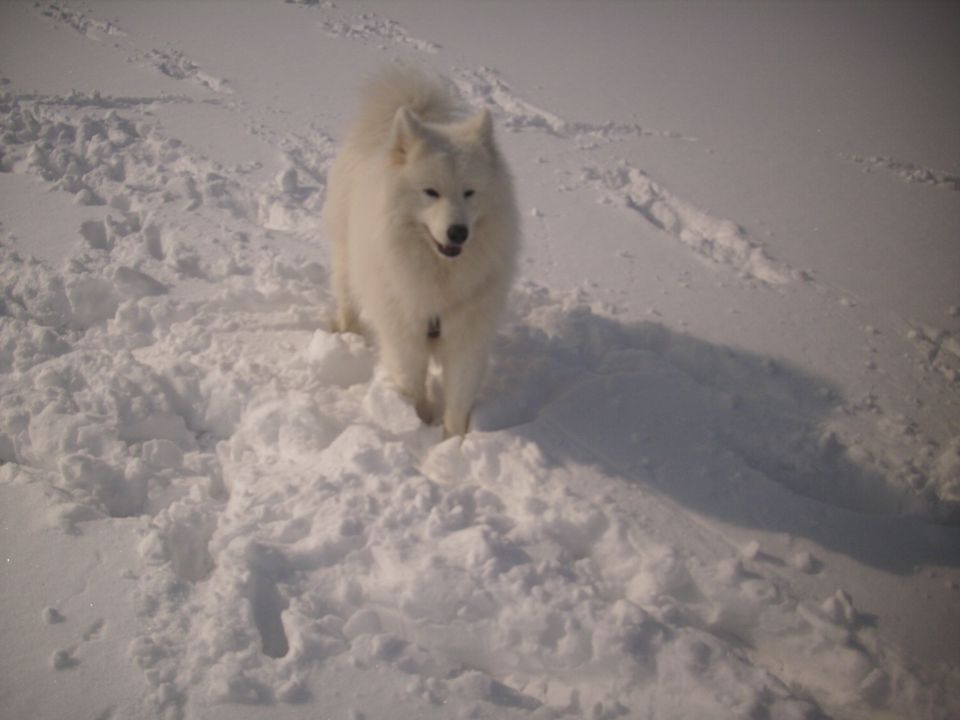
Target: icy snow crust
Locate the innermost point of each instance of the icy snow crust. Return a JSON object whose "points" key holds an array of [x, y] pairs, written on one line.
{"points": [[640, 526]]}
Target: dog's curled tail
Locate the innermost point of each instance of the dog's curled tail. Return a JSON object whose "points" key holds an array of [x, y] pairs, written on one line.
{"points": [[398, 87]]}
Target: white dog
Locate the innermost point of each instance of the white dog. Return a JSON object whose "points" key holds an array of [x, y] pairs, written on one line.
{"points": [[424, 230]]}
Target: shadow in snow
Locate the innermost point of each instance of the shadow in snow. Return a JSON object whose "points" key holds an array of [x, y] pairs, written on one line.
{"points": [[267, 566], [725, 433]]}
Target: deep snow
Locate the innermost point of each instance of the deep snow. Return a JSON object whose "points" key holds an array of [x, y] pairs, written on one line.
{"points": [[716, 466]]}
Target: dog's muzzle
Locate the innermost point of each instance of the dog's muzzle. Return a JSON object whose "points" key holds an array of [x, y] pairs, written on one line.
{"points": [[456, 236]]}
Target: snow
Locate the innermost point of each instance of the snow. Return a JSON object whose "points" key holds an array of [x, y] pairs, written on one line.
{"points": [[715, 469]]}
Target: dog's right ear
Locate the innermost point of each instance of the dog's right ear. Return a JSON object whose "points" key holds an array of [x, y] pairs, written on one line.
{"points": [[405, 133]]}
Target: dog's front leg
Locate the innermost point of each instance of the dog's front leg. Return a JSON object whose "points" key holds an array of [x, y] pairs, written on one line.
{"points": [[406, 360], [464, 363]]}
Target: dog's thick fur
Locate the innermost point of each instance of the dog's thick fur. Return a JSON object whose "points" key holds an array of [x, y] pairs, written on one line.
{"points": [[424, 230]]}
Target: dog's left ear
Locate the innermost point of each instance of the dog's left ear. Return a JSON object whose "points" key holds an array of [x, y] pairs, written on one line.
{"points": [[480, 128], [405, 132]]}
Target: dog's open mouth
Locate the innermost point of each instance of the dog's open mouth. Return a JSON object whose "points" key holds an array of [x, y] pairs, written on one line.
{"points": [[445, 249], [450, 251]]}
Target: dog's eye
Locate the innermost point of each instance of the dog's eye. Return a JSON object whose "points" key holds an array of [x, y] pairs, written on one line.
{"points": [[431, 192], [468, 193]]}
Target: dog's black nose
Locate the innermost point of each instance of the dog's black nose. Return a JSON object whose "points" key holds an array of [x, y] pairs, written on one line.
{"points": [[457, 234]]}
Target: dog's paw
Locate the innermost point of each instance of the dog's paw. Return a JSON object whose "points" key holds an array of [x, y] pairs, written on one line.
{"points": [[454, 426], [426, 412]]}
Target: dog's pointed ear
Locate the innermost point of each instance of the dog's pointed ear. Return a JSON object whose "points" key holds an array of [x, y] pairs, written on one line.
{"points": [[405, 133], [480, 128]]}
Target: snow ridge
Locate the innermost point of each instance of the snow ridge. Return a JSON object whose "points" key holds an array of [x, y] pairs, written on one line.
{"points": [[82, 23], [908, 172], [486, 86], [172, 63], [370, 26], [177, 66], [719, 240]]}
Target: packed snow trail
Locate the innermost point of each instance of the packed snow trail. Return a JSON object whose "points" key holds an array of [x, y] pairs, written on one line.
{"points": [[643, 524]]}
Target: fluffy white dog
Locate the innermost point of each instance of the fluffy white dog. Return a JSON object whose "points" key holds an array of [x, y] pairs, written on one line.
{"points": [[424, 230]]}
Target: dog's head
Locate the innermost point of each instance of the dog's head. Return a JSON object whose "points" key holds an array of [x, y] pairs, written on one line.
{"points": [[445, 173]]}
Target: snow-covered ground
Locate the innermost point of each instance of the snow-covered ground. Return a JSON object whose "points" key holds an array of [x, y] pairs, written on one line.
{"points": [[716, 470]]}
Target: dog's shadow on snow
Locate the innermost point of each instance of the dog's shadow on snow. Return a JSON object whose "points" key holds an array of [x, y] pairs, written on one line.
{"points": [[722, 432]]}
